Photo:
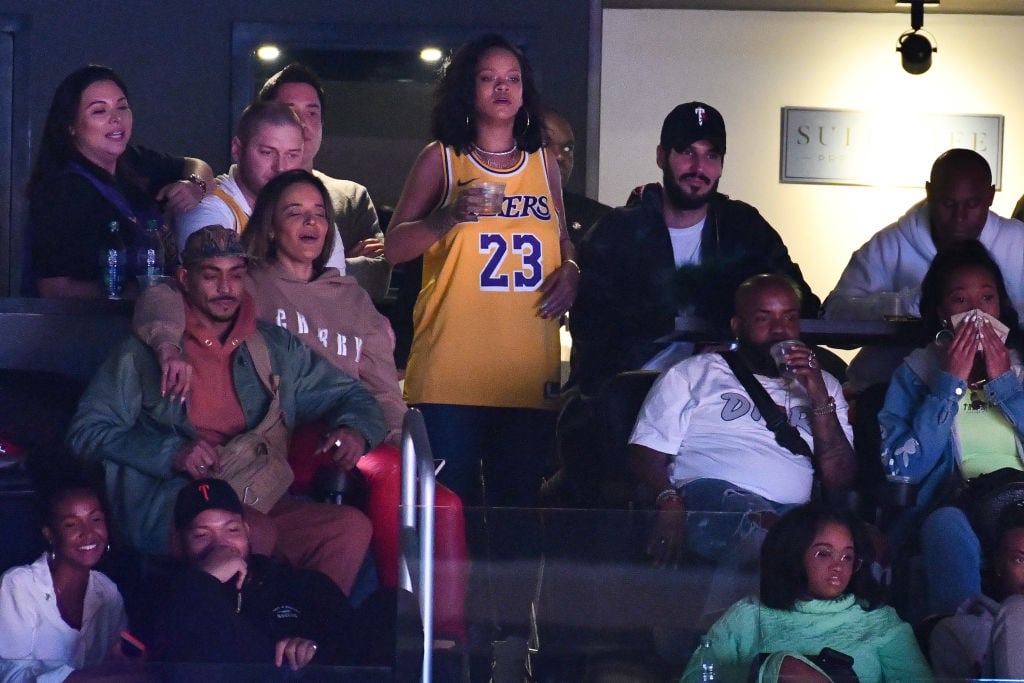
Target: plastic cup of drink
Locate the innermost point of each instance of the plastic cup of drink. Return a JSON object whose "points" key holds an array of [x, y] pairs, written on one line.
{"points": [[493, 195], [779, 350]]}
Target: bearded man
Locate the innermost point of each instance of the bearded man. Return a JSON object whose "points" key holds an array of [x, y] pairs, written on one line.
{"points": [[678, 248]]}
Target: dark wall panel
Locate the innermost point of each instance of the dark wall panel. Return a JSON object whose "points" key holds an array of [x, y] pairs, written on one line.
{"points": [[175, 55]]}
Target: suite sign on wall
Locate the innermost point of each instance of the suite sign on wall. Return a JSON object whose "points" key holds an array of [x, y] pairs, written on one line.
{"points": [[847, 147]]}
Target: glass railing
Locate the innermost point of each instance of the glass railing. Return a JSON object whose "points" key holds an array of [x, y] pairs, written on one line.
{"points": [[157, 672], [579, 587], [574, 585]]}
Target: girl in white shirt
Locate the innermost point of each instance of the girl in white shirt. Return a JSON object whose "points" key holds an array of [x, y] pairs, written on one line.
{"points": [[58, 616]]}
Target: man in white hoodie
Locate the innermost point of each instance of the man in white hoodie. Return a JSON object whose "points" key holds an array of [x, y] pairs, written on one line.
{"points": [[884, 275]]}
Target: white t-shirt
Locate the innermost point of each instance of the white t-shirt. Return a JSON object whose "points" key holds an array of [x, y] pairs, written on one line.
{"points": [[686, 243], [700, 411], [685, 251]]}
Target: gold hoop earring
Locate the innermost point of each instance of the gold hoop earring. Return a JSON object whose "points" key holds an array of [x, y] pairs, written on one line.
{"points": [[524, 129], [944, 337]]}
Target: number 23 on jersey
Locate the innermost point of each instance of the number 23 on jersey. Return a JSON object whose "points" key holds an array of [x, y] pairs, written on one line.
{"points": [[525, 258]]}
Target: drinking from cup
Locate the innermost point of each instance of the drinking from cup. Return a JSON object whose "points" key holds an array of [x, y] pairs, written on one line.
{"points": [[779, 350]]}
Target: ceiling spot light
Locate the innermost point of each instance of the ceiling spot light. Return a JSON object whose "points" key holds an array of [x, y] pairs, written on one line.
{"points": [[268, 53], [430, 54], [914, 47]]}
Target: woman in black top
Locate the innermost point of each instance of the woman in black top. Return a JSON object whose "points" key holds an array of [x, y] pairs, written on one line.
{"points": [[87, 175]]}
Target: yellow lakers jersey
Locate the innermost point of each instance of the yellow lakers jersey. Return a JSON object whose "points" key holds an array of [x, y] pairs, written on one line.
{"points": [[478, 338]]}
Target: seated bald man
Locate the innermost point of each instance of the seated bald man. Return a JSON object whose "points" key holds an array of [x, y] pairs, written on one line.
{"points": [[701, 443]]}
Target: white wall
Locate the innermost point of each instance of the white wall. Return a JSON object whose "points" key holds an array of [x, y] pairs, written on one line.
{"points": [[751, 64]]}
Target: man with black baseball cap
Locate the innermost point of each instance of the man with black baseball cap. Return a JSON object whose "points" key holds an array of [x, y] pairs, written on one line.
{"points": [[228, 605], [677, 248]]}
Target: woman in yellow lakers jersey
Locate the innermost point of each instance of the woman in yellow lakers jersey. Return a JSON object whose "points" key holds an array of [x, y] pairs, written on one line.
{"points": [[485, 351], [484, 363]]}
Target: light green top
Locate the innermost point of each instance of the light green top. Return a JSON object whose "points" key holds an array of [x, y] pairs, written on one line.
{"points": [[987, 441], [883, 647]]}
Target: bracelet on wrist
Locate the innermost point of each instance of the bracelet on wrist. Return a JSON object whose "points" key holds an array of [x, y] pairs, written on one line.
{"points": [[569, 260], [667, 494], [828, 409], [198, 182]]}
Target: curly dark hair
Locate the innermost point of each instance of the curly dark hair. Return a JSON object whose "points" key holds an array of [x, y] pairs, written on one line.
{"points": [[950, 259], [783, 576], [455, 97], [57, 147], [257, 236]]}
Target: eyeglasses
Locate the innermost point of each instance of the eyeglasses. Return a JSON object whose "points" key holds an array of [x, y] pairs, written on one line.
{"points": [[830, 556]]}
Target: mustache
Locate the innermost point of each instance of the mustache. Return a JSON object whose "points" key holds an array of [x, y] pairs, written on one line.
{"points": [[697, 176], [225, 300]]}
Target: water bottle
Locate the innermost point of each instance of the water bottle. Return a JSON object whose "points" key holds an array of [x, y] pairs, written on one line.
{"points": [[148, 255], [113, 258], [706, 656]]}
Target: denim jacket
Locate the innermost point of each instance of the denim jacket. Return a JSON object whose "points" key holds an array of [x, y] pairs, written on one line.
{"points": [[919, 437]]}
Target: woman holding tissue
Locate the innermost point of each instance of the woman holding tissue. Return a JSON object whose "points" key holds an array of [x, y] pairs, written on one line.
{"points": [[955, 412]]}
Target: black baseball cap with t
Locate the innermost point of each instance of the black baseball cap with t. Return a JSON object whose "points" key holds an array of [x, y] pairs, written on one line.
{"points": [[201, 495], [690, 122]]}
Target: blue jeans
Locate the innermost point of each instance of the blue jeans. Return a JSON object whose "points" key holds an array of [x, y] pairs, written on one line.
{"points": [[952, 559], [505, 447], [718, 521], [496, 457]]}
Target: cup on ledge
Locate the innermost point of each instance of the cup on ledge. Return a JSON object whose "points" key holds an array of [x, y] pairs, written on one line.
{"points": [[778, 353], [493, 194]]}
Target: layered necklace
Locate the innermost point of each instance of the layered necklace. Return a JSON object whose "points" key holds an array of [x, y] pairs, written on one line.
{"points": [[497, 160]]}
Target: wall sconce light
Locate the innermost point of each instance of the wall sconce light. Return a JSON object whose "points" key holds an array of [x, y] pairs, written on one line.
{"points": [[268, 53], [914, 47], [431, 54]]}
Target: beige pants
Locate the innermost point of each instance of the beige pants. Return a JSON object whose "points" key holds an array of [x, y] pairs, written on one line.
{"points": [[332, 539]]}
